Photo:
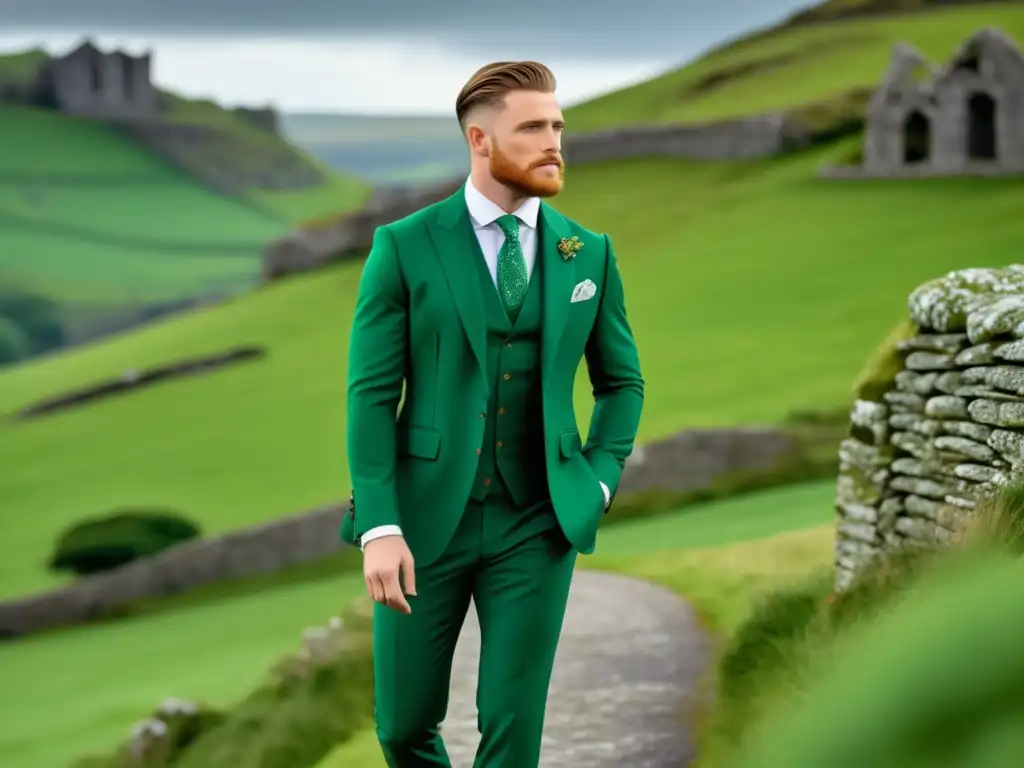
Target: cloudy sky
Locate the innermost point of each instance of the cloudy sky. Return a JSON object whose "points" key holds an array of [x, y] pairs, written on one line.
{"points": [[385, 56]]}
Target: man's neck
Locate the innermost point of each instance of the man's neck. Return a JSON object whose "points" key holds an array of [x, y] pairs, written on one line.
{"points": [[496, 192]]}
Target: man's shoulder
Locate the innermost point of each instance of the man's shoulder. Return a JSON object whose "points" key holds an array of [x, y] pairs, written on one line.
{"points": [[574, 228], [412, 223]]}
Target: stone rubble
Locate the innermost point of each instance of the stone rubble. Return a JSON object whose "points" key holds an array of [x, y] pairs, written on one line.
{"points": [[948, 430]]}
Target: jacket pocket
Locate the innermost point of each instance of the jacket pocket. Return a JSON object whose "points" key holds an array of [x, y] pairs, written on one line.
{"points": [[569, 443], [420, 442]]}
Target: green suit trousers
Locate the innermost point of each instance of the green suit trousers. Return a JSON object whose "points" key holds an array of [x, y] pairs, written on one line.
{"points": [[516, 566]]}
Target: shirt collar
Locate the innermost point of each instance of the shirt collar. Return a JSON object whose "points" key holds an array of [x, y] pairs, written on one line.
{"points": [[484, 212]]}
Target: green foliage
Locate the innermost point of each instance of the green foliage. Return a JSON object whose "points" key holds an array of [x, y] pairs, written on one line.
{"points": [[101, 544], [304, 709], [789, 643], [834, 118], [14, 344], [36, 319], [167, 734], [765, 641], [937, 681], [307, 704]]}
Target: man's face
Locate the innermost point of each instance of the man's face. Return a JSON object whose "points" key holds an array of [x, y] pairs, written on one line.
{"points": [[526, 144]]}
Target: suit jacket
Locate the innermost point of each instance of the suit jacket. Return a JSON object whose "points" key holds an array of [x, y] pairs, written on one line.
{"points": [[417, 348]]}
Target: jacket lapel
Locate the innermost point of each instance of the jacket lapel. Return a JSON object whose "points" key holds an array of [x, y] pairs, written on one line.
{"points": [[456, 246], [559, 278]]}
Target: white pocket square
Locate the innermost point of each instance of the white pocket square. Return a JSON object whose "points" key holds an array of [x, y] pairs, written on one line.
{"points": [[583, 291]]}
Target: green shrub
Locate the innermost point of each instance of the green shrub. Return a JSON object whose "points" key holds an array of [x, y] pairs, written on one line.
{"points": [[777, 657], [310, 702], [100, 544], [853, 156], [38, 318], [14, 344], [765, 641], [305, 709], [162, 737], [823, 122], [765, 647], [937, 681]]}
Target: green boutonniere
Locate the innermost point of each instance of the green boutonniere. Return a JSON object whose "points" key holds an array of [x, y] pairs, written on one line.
{"points": [[569, 247]]}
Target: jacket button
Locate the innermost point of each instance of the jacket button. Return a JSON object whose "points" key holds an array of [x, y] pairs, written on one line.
{"points": [[479, 451], [500, 443], [507, 376], [483, 415]]}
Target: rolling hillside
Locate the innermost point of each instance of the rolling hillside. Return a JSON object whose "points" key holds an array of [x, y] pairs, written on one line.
{"points": [[754, 288], [818, 57], [104, 230]]}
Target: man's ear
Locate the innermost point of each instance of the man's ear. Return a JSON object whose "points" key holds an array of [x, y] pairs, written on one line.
{"points": [[478, 141]]}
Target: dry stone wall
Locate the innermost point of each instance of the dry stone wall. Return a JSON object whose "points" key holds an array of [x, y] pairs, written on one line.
{"points": [[750, 137], [948, 429], [691, 461]]}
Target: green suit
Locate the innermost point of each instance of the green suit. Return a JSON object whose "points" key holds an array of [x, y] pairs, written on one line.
{"points": [[483, 468]]}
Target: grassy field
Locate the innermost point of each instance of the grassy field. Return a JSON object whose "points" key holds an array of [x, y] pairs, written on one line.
{"points": [[85, 686], [754, 289], [791, 66], [88, 216]]}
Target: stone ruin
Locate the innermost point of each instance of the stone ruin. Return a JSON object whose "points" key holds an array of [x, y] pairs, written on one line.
{"points": [[946, 430], [966, 117], [96, 84]]}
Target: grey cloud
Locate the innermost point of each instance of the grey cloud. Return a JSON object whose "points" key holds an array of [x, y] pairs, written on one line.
{"points": [[613, 29]]}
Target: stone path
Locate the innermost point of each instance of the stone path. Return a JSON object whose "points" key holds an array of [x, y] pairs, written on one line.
{"points": [[627, 665]]}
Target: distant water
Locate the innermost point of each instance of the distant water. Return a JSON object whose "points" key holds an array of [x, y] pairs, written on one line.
{"points": [[385, 151]]}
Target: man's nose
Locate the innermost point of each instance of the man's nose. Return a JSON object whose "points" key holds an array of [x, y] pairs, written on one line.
{"points": [[552, 140]]}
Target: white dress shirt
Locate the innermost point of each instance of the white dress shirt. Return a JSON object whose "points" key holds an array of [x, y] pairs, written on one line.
{"points": [[484, 214]]}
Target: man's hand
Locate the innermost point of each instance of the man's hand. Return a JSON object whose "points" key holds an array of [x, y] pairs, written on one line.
{"points": [[384, 561]]}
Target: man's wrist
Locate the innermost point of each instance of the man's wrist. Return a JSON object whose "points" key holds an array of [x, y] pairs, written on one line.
{"points": [[379, 532]]}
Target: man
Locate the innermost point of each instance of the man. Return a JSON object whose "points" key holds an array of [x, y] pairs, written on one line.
{"points": [[482, 306]]}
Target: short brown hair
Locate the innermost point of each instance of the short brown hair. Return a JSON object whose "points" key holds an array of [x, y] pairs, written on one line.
{"points": [[491, 83]]}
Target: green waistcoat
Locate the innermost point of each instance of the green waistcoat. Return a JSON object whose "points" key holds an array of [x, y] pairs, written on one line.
{"points": [[512, 454]]}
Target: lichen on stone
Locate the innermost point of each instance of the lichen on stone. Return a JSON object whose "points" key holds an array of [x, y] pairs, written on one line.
{"points": [[944, 304], [938, 418]]}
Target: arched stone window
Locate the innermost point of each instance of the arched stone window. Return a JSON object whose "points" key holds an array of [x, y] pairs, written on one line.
{"points": [[981, 126], [95, 74], [917, 137]]}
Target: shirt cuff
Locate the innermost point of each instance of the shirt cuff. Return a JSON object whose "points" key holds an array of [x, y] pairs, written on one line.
{"points": [[378, 532], [607, 494]]}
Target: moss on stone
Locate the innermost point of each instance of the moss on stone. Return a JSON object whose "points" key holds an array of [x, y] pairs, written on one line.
{"points": [[879, 375]]}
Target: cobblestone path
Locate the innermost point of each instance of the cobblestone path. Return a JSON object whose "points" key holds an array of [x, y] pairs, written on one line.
{"points": [[627, 665]]}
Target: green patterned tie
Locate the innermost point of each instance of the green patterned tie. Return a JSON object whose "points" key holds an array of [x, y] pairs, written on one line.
{"points": [[512, 279]]}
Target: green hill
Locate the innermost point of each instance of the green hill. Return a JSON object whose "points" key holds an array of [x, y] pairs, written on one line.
{"points": [[820, 56], [755, 289], [101, 222], [86, 214], [92, 217]]}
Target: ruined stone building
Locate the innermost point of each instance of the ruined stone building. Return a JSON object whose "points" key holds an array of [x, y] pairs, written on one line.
{"points": [[91, 83], [965, 117]]}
